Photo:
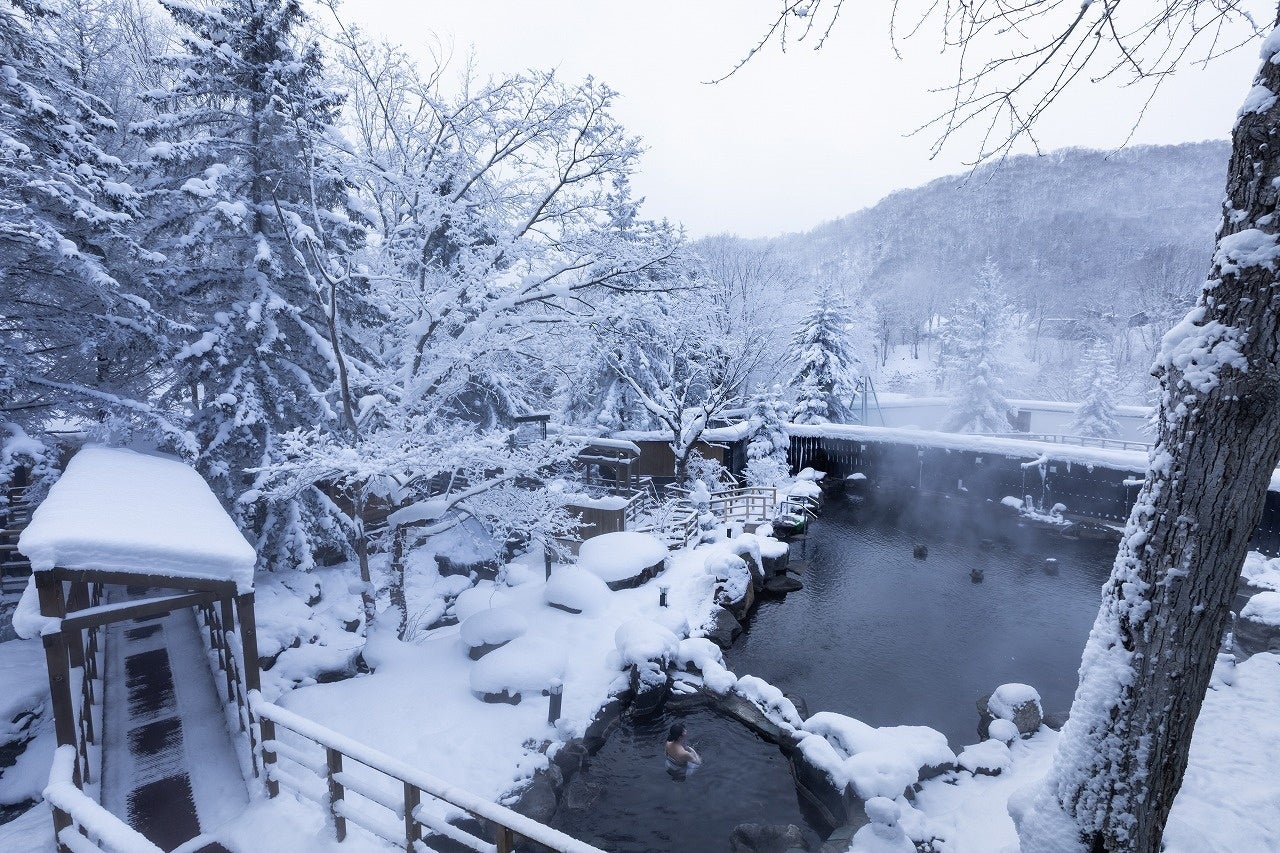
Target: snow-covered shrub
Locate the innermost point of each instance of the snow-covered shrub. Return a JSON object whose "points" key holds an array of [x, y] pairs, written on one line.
{"points": [[767, 471]]}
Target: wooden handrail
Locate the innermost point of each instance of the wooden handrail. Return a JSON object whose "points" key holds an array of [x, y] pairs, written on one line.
{"points": [[414, 783]]}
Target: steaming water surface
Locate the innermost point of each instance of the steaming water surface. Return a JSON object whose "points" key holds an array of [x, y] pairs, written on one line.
{"points": [[875, 634], [892, 640]]}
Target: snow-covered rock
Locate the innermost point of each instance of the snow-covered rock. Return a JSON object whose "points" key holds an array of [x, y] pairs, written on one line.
{"points": [[524, 665], [491, 628], [642, 640], [706, 657], [1258, 627], [623, 559], [575, 590], [1260, 572], [991, 757], [1018, 703], [883, 834], [874, 761], [1004, 731]]}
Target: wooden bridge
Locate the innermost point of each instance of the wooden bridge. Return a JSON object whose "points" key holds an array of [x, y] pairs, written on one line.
{"points": [[161, 629]]}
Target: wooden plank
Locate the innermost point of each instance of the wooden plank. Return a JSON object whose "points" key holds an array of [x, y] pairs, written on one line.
{"points": [[333, 762], [94, 617]]}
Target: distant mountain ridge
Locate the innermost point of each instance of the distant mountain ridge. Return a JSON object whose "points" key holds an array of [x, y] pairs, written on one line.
{"points": [[1078, 226]]}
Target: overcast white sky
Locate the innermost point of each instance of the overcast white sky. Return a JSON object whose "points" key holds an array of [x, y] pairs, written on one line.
{"points": [[791, 140]]}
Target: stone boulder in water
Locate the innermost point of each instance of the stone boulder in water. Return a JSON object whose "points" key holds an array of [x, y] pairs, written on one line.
{"points": [[766, 838]]}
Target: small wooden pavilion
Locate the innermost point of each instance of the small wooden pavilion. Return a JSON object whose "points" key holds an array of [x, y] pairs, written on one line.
{"points": [[149, 527]]}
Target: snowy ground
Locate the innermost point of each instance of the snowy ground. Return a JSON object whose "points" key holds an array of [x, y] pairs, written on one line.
{"points": [[1230, 797], [418, 703]]}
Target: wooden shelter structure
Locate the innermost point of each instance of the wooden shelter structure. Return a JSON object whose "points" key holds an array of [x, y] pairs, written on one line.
{"points": [[126, 535], [611, 463]]}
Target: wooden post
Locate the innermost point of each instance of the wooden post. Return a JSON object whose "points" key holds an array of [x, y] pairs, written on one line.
{"points": [[248, 641], [506, 840], [224, 648], [77, 599], [412, 799], [333, 766], [52, 603], [269, 755]]}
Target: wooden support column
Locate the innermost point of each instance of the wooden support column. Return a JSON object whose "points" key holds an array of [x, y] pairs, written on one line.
{"points": [[248, 640], [251, 676], [52, 603]]}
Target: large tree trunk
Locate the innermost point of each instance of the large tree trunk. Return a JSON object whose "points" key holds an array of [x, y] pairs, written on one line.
{"points": [[1151, 652]]}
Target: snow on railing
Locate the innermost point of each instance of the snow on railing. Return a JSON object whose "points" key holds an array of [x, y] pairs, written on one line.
{"points": [[1081, 440], [413, 816], [88, 826], [750, 503]]}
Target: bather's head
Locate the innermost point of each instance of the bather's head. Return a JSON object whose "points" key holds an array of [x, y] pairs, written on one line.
{"points": [[676, 733]]}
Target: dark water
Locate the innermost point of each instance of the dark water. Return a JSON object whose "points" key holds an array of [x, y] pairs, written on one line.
{"points": [[875, 634], [891, 640], [625, 801]]}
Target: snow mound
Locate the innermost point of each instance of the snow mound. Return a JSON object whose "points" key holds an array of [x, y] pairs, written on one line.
{"points": [[1263, 608], [1003, 730], [524, 665], [1007, 698], [614, 557], [493, 627], [707, 657], [990, 756], [1261, 573], [883, 834], [576, 589], [1011, 501], [120, 510], [874, 761], [641, 640]]}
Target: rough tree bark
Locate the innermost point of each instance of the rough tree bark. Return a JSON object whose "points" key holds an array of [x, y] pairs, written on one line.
{"points": [[1151, 653]]}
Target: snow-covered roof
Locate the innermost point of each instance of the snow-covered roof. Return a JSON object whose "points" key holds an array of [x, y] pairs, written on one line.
{"points": [[1120, 460], [121, 510]]}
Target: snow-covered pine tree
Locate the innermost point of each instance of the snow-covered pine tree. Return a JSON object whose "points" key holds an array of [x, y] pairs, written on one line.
{"points": [[1097, 416], [767, 440], [237, 162], [972, 342], [78, 336], [827, 366]]}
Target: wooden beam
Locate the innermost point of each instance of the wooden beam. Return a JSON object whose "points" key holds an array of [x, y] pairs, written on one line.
{"points": [[122, 578], [93, 617]]}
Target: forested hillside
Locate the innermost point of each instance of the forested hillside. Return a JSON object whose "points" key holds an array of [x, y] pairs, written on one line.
{"points": [[1088, 244]]}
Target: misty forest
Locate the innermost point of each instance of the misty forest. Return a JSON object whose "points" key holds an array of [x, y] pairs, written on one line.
{"points": [[380, 470]]}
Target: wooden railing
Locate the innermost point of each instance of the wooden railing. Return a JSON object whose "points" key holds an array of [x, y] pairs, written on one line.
{"points": [[228, 656], [751, 503], [80, 764], [382, 795]]}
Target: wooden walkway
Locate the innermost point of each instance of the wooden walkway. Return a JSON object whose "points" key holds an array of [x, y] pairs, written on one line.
{"points": [[164, 718]]}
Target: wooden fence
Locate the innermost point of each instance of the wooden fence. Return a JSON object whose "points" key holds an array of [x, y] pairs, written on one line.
{"points": [[385, 797]]}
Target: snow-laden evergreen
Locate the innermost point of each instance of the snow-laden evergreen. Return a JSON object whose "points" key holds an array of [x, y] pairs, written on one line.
{"points": [[973, 344], [1097, 416], [828, 368], [767, 439], [239, 166]]}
